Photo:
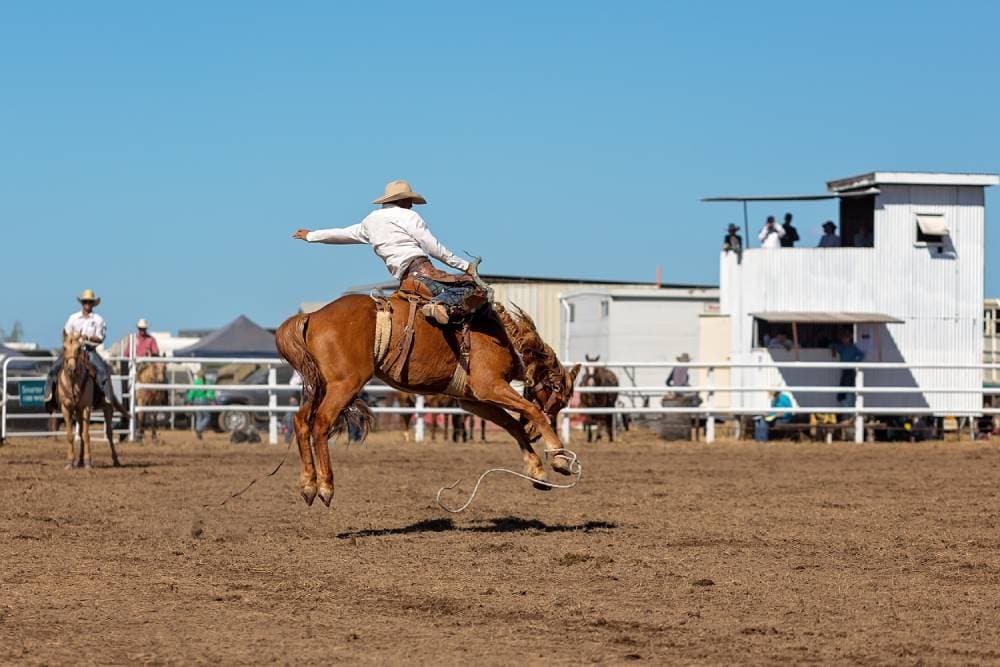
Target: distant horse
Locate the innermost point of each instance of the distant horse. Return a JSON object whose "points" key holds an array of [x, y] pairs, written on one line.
{"points": [[598, 377], [151, 372], [337, 350], [78, 394]]}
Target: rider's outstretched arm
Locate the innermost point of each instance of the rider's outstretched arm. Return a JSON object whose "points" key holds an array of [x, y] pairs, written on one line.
{"points": [[338, 235]]}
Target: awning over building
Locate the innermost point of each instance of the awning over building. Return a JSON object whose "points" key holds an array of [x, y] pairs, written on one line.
{"points": [[826, 317], [932, 224]]}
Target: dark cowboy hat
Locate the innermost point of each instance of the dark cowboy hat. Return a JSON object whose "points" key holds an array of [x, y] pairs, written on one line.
{"points": [[829, 223], [732, 228]]}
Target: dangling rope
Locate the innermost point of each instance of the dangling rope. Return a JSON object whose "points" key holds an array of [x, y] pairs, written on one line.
{"points": [[288, 448], [575, 467]]}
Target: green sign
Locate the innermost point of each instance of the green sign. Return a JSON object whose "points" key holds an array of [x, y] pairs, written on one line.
{"points": [[31, 393]]}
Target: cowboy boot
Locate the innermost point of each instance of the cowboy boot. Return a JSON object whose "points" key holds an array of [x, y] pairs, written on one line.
{"points": [[436, 312]]}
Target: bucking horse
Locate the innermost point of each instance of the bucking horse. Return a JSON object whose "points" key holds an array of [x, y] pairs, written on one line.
{"points": [[339, 348]]}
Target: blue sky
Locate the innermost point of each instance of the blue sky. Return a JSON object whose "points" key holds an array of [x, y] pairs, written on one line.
{"points": [[162, 153]]}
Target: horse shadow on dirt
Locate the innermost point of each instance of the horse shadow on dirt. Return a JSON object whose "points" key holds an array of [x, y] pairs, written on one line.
{"points": [[507, 524]]}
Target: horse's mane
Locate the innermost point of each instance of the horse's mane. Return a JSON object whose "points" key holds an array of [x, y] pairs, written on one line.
{"points": [[538, 360]]}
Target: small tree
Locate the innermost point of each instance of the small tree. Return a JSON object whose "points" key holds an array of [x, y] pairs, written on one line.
{"points": [[16, 332]]}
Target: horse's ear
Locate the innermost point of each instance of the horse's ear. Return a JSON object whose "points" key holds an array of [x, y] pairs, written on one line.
{"points": [[573, 372]]}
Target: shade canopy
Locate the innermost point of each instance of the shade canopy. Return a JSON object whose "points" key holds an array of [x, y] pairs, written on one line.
{"points": [[826, 317], [240, 338], [867, 192], [932, 224]]}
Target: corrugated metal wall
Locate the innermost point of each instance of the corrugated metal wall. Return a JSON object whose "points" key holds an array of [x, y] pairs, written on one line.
{"points": [[541, 301], [938, 295]]}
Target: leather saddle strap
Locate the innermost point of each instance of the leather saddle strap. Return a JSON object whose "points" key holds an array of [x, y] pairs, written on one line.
{"points": [[401, 354]]}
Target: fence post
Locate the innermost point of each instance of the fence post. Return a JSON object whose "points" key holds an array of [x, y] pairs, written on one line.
{"points": [[710, 403], [859, 403], [272, 403], [418, 422], [132, 374], [564, 427], [3, 402]]}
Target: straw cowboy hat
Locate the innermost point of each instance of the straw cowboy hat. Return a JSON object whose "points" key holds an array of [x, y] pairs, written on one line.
{"points": [[396, 190], [142, 323], [88, 295]]}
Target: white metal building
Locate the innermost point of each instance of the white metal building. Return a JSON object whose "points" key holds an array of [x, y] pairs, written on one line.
{"points": [[624, 325], [908, 281], [538, 297]]}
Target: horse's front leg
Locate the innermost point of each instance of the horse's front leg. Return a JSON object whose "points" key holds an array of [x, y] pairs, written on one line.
{"points": [[337, 397], [109, 431], [85, 458], [532, 464], [70, 438], [502, 395]]}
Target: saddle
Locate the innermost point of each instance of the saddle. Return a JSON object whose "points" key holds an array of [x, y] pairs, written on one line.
{"points": [[462, 297]]}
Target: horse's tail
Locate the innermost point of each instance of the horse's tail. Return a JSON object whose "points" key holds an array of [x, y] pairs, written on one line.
{"points": [[291, 341]]}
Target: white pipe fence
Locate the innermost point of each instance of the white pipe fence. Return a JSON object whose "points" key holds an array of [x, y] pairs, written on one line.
{"points": [[707, 410]]}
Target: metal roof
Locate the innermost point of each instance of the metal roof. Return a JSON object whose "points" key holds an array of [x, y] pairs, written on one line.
{"points": [[911, 178], [836, 195], [826, 317]]}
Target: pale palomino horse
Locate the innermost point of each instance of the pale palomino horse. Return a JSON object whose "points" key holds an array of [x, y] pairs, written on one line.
{"points": [[77, 392], [149, 372]]}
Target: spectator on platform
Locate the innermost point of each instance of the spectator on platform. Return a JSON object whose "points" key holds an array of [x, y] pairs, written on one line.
{"points": [[732, 241], [791, 234], [771, 234], [829, 238], [863, 237], [779, 341]]}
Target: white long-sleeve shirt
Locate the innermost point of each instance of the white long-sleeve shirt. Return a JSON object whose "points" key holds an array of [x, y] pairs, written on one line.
{"points": [[771, 238], [397, 235], [92, 326]]}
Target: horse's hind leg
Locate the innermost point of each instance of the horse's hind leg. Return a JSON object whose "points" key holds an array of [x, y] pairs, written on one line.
{"points": [[109, 431], [338, 396], [532, 464], [307, 477]]}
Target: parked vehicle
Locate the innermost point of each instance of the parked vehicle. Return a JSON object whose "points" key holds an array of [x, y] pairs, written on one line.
{"points": [[233, 420]]}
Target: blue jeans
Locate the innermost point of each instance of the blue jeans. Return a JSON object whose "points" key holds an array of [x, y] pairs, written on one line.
{"points": [[201, 419]]}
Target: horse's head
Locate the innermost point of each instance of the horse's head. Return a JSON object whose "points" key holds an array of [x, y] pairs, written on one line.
{"points": [[590, 374], [71, 351], [153, 372], [551, 393]]}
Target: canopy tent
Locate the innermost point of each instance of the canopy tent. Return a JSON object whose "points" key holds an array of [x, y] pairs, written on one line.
{"points": [[240, 338], [826, 317]]}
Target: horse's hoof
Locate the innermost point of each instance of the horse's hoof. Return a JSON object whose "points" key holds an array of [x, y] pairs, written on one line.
{"points": [[70, 465], [309, 494], [116, 463], [87, 465], [561, 465], [326, 495]]}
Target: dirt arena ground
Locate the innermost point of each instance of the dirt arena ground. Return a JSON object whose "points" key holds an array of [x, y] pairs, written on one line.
{"points": [[672, 552]]}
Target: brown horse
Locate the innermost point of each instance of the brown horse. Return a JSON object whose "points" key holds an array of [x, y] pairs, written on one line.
{"points": [[151, 372], [598, 377], [334, 351], [77, 395]]}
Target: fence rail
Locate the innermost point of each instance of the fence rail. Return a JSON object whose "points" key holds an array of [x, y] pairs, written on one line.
{"points": [[708, 410]]}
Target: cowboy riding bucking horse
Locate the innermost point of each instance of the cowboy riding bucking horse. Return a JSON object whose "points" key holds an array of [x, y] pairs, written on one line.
{"points": [[462, 345]]}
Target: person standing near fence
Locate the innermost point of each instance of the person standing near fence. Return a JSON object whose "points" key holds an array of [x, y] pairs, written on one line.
{"points": [[145, 342], [200, 397], [847, 352]]}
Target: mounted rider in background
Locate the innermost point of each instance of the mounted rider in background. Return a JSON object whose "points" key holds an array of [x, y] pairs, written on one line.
{"points": [[401, 239], [92, 328]]}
